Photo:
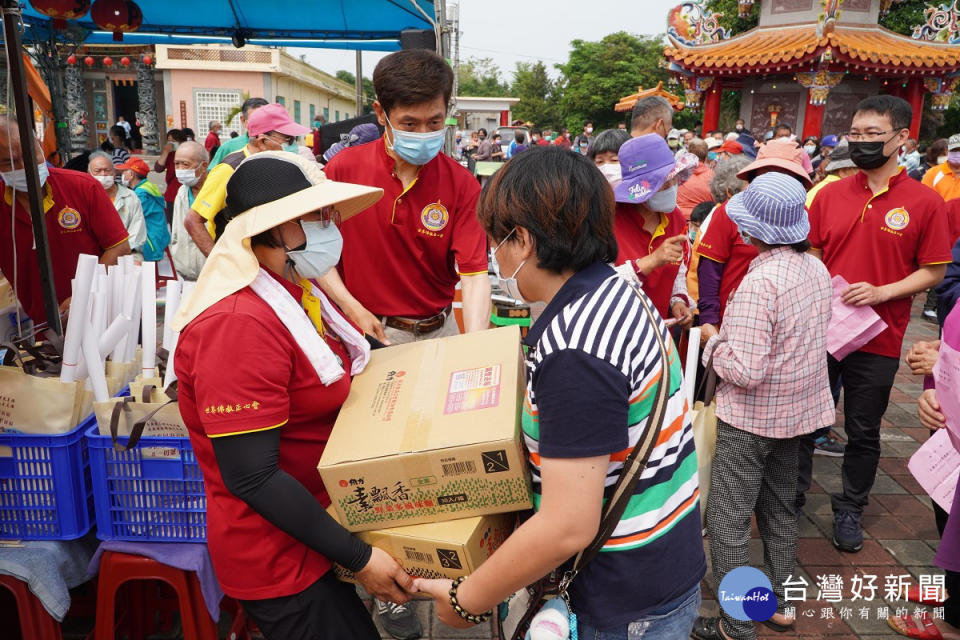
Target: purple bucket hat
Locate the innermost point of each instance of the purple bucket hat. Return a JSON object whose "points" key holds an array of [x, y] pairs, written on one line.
{"points": [[646, 163]]}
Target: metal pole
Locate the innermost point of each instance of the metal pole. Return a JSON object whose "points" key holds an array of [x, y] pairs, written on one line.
{"points": [[13, 48], [359, 82]]}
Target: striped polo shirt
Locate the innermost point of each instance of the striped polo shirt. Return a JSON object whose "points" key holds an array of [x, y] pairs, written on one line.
{"points": [[593, 367]]}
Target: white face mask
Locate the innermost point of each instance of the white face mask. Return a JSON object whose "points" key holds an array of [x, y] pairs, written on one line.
{"points": [[941, 159], [810, 149], [321, 251], [18, 177], [187, 177], [106, 181], [589, 130], [663, 201], [612, 172], [509, 285]]}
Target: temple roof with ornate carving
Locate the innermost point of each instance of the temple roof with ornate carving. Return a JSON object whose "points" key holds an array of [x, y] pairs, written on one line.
{"points": [[772, 49]]}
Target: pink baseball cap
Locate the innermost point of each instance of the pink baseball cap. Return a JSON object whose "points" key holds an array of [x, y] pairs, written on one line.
{"points": [[273, 117]]}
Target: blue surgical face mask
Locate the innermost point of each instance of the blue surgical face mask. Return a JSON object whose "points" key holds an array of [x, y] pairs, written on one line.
{"points": [[320, 253], [416, 148], [293, 147], [508, 285], [663, 201], [18, 177]]}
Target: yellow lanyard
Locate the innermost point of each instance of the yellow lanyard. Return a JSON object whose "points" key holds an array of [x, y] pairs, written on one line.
{"points": [[311, 304]]}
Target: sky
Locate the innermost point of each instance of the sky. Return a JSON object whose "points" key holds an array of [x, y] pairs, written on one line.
{"points": [[540, 30]]}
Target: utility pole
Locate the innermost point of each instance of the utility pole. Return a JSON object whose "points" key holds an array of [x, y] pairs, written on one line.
{"points": [[359, 82]]}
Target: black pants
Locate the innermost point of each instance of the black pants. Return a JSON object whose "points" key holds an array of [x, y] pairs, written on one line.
{"points": [[867, 380], [326, 610]]}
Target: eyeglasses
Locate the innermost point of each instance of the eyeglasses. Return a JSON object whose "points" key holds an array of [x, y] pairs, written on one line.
{"points": [[328, 215], [857, 136], [285, 141]]}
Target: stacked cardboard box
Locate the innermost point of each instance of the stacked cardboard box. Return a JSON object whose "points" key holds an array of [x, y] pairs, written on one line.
{"points": [[429, 434]]}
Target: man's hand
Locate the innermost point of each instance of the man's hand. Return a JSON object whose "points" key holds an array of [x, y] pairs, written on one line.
{"points": [[707, 331], [671, 251], [439, 590], [929, 410], [368, 323], [682, 314], [385, 579], [922, 356], [862, 294]]}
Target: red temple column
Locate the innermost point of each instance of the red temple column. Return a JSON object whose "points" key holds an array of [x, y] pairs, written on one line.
{"points": [[505, 118], [711, 108], [914, 95], [812, 119]]}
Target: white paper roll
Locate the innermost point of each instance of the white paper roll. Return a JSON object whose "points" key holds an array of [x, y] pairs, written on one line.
{"points": [[91, 353], [114, 334], [169, 309], [133, 283], [690, 371], [115, 279], [79, 303], [148, 317]]}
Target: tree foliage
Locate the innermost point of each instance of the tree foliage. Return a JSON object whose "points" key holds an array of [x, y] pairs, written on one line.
{"points": [[597, 74], [904, 16], [480, 78], [731, 20], [537, 94], [369, 95]]}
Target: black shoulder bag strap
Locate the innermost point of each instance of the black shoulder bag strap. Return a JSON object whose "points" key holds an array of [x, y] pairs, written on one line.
{"points": [[136, 431], [636, 462]]}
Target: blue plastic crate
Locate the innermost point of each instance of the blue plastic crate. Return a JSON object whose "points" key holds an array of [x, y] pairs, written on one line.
{"points": [[45, 488], [152, 493]]}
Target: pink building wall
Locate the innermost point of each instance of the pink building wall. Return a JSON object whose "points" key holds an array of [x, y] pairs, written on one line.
{"points": [[184, 81]]}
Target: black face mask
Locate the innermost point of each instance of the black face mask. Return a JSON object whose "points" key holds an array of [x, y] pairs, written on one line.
{"points": [[870, 155]]}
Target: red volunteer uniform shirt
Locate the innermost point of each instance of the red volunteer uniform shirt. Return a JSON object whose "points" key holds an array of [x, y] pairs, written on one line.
{"points": [[880, 239], [404, 255], [634, 242], [722, 243], [268, 383], [80, 219]]}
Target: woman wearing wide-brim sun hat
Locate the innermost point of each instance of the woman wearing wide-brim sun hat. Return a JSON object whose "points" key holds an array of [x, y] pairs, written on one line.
{"points": [[264, 364], [773, 389]]}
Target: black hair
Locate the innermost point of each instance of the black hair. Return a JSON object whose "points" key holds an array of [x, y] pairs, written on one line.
{"points": [[897, 109], [482, 130], [266, 239], [119, 132], [609, 140], [936, 149], [783, 127], [412, 76], [519, 136], [252, 103], [561, 200], [800, 247], [177, 135], [701, 211], [537, 132], [188, 133]]}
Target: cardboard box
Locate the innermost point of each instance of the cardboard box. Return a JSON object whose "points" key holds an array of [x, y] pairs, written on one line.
{"points": [[431, 432], [441, 549]]}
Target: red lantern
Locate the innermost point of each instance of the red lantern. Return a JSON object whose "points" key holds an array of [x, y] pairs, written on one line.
{"points": [[119, 16], [107, 61], [88, 61], [71, 59], [125, 61], [147, 60], [62, 10]]}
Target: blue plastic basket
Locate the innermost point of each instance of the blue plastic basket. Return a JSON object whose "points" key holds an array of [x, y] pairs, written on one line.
{"points": [[45, 490], [152, 493]]}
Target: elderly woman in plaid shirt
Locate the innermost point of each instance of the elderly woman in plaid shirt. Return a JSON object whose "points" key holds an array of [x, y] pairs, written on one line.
{"points": [[773, 388]]}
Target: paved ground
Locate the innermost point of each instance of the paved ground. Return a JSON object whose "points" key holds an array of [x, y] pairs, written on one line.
{"points": [[901, 536]]}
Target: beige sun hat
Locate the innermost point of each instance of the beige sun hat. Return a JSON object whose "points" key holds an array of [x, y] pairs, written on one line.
{"points": [[266, 190]]}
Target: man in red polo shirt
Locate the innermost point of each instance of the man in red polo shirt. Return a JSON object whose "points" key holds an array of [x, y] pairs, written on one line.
{"points": [[423, 235], [403, 256], [80, 219], [887, 236]]}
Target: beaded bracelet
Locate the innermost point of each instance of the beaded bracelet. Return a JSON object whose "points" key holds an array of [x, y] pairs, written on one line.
{"points": [[469, 617]]}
